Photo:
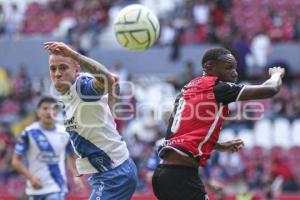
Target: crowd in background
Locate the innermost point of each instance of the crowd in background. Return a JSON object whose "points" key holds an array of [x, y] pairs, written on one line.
{"points": [[236, 24], [182, 21]]}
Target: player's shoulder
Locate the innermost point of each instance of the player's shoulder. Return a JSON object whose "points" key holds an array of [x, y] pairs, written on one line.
{"points": [[60, 128], [84, 75], [203, 81], [222, 84], [82, 79], [33, 126], [27, 131]]}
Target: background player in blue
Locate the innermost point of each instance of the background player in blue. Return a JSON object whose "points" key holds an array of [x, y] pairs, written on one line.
{"points": [[89, 121], [45, 145]]}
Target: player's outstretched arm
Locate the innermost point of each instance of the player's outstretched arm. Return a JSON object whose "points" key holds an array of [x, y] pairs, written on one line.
{"points": [[266, 90], [232, 145], [20, 167], [103, 78]]}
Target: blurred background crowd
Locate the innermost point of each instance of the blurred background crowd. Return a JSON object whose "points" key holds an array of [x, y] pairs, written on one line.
{"points": [[271, 158]]}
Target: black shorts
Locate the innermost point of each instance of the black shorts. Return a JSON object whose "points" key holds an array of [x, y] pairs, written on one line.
{"points": [[175, 182]]}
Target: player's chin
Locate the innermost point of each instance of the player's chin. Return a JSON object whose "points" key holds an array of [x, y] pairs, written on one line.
{"points": [[61, 85], [58, 85], [232, 80]]}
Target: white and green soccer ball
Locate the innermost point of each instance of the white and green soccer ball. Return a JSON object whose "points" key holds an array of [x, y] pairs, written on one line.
{"points": [[136, 27]]}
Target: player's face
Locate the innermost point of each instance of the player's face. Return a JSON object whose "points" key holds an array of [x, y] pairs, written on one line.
{"points": [[47, 113], [63, 72], [226, 69]]}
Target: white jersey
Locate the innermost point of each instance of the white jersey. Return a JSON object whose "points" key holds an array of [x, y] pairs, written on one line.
{"points": [[92, 129], [45, 153]]}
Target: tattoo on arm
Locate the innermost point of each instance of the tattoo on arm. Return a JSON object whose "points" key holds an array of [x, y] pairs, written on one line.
{"points": [[98, 70], [113, 97]]}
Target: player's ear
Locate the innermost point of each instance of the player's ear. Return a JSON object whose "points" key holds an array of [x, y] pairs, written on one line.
{"points": [[208, 68], [77, 68], [37, 113]]}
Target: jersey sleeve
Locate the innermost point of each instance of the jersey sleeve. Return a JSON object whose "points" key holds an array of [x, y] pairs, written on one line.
{"points": [[226, 93], [22, 144], [86, 90]]}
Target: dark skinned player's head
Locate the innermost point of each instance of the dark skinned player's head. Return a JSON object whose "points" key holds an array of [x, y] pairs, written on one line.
{"points": [[221, 63]]}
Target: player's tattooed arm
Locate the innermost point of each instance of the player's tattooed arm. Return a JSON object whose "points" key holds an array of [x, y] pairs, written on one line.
{"points": [[114, 96], [104, 79]]}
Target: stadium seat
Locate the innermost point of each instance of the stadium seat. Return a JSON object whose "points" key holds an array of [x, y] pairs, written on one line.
{"points": [[295, 133], [226, 134], [262, 133], [281, 133], [248, 137]]}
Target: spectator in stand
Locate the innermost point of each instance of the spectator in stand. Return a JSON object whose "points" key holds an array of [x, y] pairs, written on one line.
{"points": [[201, 12], [2, 83], [22, 85], [14, 20], [167, 35], [22, 90], [7, 142], [297, 28], [189, 73], [282, 170], [260, 49], [2, 20], [241, 50], [123, 75], [256, 175]]}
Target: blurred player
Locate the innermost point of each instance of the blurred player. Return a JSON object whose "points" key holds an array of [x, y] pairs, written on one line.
{"points": [[45, 145], [89, 121], [194, 127]]}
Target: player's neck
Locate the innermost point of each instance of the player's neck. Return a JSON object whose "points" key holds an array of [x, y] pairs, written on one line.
{"points": [[47, 125], [208, 74], [63, 91]]}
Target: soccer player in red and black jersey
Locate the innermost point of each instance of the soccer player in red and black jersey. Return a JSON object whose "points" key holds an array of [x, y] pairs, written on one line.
{"points": [[193, 132]]}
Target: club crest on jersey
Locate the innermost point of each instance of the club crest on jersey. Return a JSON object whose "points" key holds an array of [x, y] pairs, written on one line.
{"points": [[48, 157]]}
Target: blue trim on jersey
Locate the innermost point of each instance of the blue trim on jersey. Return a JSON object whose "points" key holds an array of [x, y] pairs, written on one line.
{"points": [[97, 157], [22, 144], [61, 103], [69, 148], [86, 90], [45, 146]]}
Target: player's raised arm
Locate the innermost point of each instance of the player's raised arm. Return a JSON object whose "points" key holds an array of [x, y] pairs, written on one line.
{"points": [[103, 78], [113, 95], [268, 89]]}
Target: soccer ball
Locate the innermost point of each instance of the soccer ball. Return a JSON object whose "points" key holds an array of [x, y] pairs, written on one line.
{"points": [[136, 27]]}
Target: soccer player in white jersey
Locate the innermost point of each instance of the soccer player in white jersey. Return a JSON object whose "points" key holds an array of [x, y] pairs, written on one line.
{"points": [[90, 123], [45, 145]]}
